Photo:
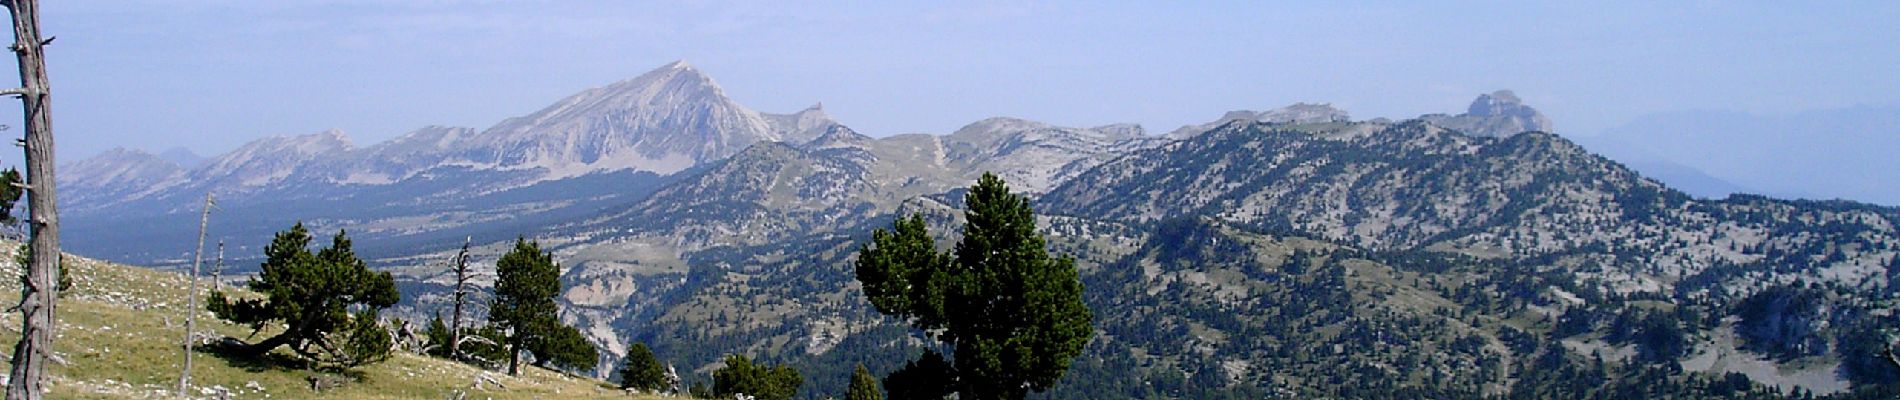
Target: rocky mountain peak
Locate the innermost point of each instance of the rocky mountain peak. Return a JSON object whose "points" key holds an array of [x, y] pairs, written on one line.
{"points": [[1304, 113], [665, 120], [1496, 103], [837, 136], [802, 126], [675, 81], [1496, 114]]}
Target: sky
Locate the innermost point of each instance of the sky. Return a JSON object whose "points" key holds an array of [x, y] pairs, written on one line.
{"points": [[210, 75]]}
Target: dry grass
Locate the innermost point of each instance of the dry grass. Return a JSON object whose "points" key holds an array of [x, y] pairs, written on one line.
{"points": [[121, 328]]}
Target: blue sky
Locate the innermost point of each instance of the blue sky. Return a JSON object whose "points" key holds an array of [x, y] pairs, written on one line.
{"points": [[211, 74]]}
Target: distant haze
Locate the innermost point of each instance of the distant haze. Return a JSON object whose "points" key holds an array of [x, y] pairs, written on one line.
{"points": [[1851, 153], [210, 75]]}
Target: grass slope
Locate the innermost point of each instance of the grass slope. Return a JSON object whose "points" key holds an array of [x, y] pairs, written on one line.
{"points": [[119, 334]]}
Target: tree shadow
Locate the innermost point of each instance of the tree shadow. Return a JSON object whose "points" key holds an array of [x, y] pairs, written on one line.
{"points": [[267, 362], [282, 362]]}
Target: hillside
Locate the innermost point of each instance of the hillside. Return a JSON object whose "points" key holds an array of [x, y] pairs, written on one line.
{"points": [[1336, 259], [119, 331]]}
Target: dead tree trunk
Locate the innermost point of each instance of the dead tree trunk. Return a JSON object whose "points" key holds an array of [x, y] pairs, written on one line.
{"points": [[460, 264], [217, 273], [191, 295], [39, 292]]}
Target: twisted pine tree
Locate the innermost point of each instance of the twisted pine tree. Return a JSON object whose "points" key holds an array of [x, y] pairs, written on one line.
{"points": [[1013, 315], [311, 294]]}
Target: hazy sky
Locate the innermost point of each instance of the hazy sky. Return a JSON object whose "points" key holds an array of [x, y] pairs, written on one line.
{"points": [[212, 74]]}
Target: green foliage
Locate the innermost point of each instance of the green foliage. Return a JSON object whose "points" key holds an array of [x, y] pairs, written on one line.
{"points": [[700, 391], [566, 348], [760, 381], [10, 192], [642, 371], [24, 254], [1863, 347], [1784, 321], [922, 378], [366, 341], [311, 294], [863, 386], [484, 347], [527, 279], [1013, 315], [437, 337], [481, 346]]}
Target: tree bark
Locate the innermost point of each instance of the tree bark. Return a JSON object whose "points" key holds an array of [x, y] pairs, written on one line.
{"points": [[514, 360], [39, 293]]}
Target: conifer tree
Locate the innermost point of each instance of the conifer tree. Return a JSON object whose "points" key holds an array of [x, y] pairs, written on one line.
{"points": [[641, 370], [760, 381], [526, 281], [863, 386], [311, 294], [438, 337], [1012, 314]]}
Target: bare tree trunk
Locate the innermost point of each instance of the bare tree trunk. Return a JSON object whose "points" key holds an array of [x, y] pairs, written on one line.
{"points": [[191, 295], [460, 263], [39, 293], [217, 273]]}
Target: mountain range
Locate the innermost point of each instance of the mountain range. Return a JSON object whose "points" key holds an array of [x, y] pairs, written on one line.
{"points": [[1292, 252]]}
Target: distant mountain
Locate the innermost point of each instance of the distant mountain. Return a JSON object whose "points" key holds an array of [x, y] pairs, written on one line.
{"points": [[1037, 156], [1290, 253], [1834, 153], [1681, 177], [1298, 113], [113, 177], [664, 121], [183, 157], [270, 161], [1496, 114], [435, 179]]}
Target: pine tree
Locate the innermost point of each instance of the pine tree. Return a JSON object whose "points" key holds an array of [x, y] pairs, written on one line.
{"points": [[526, 281], [863, 386], [1012, 314], [762, 382], [438, 337], [311, 294], [564, 347], [642, 371]]}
